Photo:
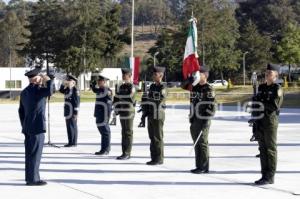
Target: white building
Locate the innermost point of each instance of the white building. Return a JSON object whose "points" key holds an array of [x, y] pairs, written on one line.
{"points": [[13, 80], [113, 74]]}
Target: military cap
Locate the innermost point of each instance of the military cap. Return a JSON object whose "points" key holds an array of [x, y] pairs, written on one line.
{"points": [[33, 73], [159, 69], [100, 78], [203, 69], [273, 67], [72, 77], [126, 70]]}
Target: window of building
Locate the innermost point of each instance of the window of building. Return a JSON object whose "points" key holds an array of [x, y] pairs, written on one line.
{"points": [[18, 84], [11, 84]]}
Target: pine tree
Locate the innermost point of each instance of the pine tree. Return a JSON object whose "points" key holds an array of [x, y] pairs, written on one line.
{"points": [[2, 9], [258, 47], [11, 40], [43, 27], [270, 17], [217, 23], [289, 47]]}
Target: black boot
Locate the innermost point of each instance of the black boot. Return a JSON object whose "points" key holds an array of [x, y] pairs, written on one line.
{"points": [[102, 152], [199, 171], [123, 157], [264, 181], [152, 162]]}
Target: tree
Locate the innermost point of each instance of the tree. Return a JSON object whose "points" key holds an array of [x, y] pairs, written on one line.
{"points": [[43, 27], [170, 48], [220, 33], [77, 36], [115, 40], [296, 7], [125, 13], [2, 9], [2, 5], [83, 37], [289, 47], [154, 13], [257, 45], [11, 40], [21, 7], [270, 16], [176, 9]]}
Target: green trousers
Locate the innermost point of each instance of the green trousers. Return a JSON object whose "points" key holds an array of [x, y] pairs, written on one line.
{"points": [[201, 148], [156, 134], [127, 133], [267, 138]]}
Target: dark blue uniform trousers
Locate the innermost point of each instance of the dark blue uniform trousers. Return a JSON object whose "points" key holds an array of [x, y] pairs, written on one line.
{"points": [[72, 130], [104, 130], [33, 153]]}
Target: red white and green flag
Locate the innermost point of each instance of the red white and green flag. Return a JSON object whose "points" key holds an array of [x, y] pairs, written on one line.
{"points": [[190, 61], [134, 64]]}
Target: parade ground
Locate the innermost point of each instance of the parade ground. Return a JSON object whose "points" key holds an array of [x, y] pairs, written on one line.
{"points": [[79, 174]]}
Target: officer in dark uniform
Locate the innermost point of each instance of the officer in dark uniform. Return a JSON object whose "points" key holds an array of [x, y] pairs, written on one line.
{"points": [[32, 117], [124, 105], [202, 101], [103, 108], [270, 95], [155, 111], [71, 108]]}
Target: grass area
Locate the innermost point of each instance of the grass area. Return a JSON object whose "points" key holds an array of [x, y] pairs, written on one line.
{"points": [[177, 95]]}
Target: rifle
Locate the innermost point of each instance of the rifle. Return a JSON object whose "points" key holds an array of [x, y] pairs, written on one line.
{"points": [[113, 121], [143, 107]]}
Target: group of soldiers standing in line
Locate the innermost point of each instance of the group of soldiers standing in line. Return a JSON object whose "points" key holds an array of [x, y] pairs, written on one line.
{"points": [[123, 104], [202, 109]]}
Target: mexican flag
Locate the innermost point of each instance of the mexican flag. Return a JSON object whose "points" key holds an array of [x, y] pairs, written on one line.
{"points": [[134, 64], [190, 61]]}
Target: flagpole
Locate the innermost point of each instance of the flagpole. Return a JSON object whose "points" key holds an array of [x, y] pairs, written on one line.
{"points": [[132, 42], [132, 29], [203, 45]]}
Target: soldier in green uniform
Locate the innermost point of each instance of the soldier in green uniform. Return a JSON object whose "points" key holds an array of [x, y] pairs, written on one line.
{"points": [[124, 105], [202, 110], [270, 95], [155, 111]]}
